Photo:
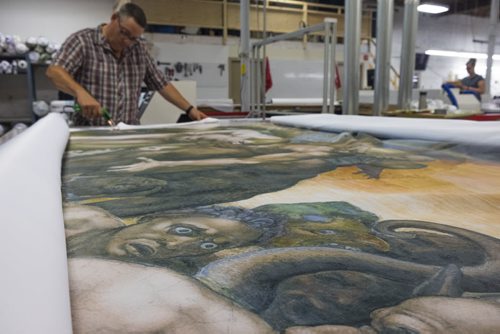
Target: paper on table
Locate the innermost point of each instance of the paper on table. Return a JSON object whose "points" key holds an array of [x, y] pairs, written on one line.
{"points": [[34, 285], [124, 126]]}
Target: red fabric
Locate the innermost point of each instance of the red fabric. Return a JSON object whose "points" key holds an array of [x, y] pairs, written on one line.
{"points": [[337, 78], [269, 79]]}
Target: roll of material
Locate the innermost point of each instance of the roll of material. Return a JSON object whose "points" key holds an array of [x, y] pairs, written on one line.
{"points": [[20, 126], [61, 106], [34, 278], [16, 130], [485, 134], [22, 64], [40, 108]]}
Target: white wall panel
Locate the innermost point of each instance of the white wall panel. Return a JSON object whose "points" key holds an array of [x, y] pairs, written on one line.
{"points": [[54, 19]]}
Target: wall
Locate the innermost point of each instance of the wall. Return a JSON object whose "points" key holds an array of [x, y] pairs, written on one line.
{"points": [[291, 60], [211, 56], [54, 19], [296, 72]]}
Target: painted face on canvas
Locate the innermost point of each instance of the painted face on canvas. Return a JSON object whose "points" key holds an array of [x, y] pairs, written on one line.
{"points": [[167, 237]]}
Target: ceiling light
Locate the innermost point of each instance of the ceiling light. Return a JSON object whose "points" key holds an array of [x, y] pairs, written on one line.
{"points": [[432, 8], [456, 54]]}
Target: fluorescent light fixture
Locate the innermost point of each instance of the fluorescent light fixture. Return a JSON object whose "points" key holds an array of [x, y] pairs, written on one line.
{"points": [[432, 8], [455, 54]]}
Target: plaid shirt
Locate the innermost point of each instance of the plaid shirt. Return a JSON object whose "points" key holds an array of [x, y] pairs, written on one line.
{"points": [[115, 83]]}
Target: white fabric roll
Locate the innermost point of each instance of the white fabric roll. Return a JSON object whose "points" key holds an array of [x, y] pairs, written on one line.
{"points": [[453, 131], [16, 130], [34, 285]]}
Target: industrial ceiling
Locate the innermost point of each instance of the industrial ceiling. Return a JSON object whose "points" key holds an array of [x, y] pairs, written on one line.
{"points": [[466, 7]]}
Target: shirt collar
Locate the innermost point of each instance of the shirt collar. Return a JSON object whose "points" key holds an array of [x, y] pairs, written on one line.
{"points": [[99, 36]]}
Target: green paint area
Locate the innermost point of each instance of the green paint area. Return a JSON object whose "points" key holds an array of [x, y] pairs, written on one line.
{"points": [[334, 224]]}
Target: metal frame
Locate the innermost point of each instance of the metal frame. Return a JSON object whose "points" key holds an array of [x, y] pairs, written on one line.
{"points": [[257, 88], [407, 64], [352, 33], [383, 59]]}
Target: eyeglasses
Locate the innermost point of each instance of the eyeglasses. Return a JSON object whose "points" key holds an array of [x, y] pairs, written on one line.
{"points": [[124, 32]]}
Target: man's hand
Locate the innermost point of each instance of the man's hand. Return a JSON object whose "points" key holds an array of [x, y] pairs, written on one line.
{"points": [[66, 83], [196, 115], [90, 107], [172, 95]]}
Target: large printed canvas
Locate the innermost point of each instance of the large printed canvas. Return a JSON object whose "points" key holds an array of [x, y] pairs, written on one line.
{"points": [[250, 227]]}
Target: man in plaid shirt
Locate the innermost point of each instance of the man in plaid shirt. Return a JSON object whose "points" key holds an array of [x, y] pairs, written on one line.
{"points": [[104, 67]]}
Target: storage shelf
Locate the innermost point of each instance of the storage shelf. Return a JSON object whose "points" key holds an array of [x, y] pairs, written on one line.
{"points": [[17, 93]]}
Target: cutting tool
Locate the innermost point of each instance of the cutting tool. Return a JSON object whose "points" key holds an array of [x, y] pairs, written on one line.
{"points": [[104, 112]]}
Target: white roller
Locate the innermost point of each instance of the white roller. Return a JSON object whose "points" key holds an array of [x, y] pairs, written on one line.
{"points": [[34, 279], [453, 131], [16, 130]]}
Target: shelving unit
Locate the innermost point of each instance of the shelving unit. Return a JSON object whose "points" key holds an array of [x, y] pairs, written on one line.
{"points": [[17, 93]]}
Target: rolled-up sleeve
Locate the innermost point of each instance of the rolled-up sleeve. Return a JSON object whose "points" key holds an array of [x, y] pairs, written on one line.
{"points": [[70, 55], [155, 79]]}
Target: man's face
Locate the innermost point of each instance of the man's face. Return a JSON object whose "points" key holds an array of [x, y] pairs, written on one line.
{"points": [[167, 237], [470, 68], [125, 31]]}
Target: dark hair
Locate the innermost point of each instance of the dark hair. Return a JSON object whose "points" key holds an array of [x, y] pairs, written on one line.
{"points": [[132, 10], [472, 62]]}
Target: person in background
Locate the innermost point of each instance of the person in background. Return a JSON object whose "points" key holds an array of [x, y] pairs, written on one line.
{"points": [[104, 67], [473, 83]]}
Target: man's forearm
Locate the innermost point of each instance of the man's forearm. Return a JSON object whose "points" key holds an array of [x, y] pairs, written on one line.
{"points": [[63, 80], [172, 95], [90, 107]]}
